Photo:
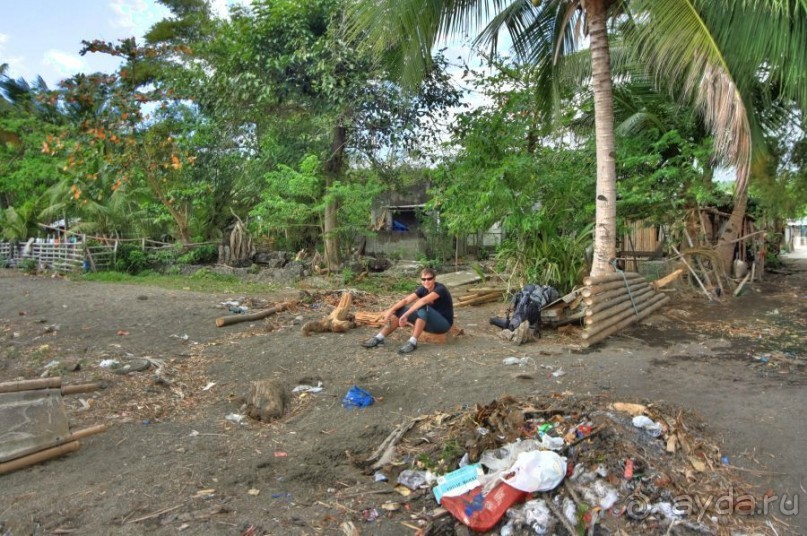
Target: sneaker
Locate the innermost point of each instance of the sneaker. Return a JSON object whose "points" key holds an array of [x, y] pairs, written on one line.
{"points": [[506, 334], [521, 334], [407, 348], [372, 342]]}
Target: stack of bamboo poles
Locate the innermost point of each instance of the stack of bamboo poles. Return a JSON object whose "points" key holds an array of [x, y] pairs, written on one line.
{"points": [[34, 442], [615, 301], [479, 296]]}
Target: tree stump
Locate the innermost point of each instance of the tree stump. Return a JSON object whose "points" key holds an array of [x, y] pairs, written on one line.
{"points": [[267, 400], [339, 321]]}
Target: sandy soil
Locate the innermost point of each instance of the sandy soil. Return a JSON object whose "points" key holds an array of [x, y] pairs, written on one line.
{"points": [[170, 462]]}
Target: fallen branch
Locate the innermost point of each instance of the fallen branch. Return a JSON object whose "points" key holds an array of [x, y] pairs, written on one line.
{"points": [[155, 514], [742, 283], [557, 513], [235, 319], [385, 452]]}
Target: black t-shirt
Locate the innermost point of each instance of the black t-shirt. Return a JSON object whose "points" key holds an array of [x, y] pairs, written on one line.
{"points": [[443, 305]]}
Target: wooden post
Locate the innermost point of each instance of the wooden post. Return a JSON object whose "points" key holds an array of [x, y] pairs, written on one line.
{"points": [[38, 457], [80, 388], [27, 385], [234, 319]]}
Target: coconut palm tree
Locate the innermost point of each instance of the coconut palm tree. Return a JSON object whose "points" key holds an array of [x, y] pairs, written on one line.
{"points": [[681, 41]]}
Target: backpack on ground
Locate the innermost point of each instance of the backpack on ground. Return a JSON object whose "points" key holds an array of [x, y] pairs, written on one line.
{"points": [[526, 305]]}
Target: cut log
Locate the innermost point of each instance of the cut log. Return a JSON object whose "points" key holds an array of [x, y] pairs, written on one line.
{"points": [[366, 318], [235, 319], [442, 338], [607, 278], [600, 288], [599, 336], [28, 385], [80, 388], [38, 457], [479, 300], [597, 305], [628, 313], [594, 297], [627, 305], [667, 279], [339, 321], [267, 400]]}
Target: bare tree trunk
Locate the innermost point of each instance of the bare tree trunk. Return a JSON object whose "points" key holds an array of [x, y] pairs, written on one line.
{"points": [[333, 170], [725, 243], [605, 218]]}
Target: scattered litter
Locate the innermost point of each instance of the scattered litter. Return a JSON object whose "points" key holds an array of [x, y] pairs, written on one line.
{"points": [[412, 479], [457, 482], [520, 361], [370, 514], [648, 425], [357, 397], [558, 373], [380, 477], [536, 470], [254, 492], [52, 328], [184, 336], [281, 454], [309, 388], [109, 363], [619, 481], [235, 418], [208, 386]]}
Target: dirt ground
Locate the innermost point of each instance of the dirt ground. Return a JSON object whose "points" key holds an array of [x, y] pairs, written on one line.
{"points": [[170, 462]]}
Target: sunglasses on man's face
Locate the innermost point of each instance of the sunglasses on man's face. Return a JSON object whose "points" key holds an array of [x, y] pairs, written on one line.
{"points": [[426, 278]]}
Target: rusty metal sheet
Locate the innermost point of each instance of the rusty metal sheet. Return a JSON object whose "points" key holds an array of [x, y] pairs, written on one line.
{"points": [[31, 421]]}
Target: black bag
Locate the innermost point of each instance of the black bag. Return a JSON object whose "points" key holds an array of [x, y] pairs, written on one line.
{"points": [[527, 304]]}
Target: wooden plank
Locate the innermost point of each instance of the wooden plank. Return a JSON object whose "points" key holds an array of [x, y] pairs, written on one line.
{"points": [[31, 421], [455, 279]]}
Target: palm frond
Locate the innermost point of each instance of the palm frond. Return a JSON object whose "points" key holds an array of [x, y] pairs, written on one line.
{"points": [[677, 47]]}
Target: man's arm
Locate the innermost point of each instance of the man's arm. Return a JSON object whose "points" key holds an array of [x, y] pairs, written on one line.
{"points": [[406, 300], [428, 299]]}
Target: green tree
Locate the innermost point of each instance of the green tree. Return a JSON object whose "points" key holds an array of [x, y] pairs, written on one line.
{"points": [[680, 41]]}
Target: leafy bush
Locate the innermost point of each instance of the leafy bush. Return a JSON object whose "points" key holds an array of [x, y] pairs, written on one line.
{"points": [[130, 259], [29, 266], [204, 254]]}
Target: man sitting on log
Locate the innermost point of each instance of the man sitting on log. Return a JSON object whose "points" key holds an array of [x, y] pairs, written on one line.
{"points": [[429, 308]]}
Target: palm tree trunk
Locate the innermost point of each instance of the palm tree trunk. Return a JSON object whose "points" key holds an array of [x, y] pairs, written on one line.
{"points": [[605, 215], [727, 240], [333, 170]]}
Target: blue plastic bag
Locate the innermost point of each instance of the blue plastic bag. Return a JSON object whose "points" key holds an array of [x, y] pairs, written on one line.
{"points": [[357, 398]]}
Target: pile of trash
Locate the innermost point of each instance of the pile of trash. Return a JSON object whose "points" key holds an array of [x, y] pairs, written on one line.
{"points": [[565, 464]]}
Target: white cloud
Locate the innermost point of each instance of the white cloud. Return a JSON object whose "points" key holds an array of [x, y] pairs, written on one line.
{"points": [[16, 64], [221, 8], [64, 63], [135, 17]]}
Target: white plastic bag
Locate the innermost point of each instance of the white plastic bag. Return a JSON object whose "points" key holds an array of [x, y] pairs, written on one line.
{"points": [[537, 470]]}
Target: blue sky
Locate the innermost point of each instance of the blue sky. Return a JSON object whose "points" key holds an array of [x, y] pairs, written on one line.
{"points": [[43, 37]]}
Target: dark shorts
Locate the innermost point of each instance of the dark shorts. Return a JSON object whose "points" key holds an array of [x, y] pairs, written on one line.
{"points": [[435, 322]]}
